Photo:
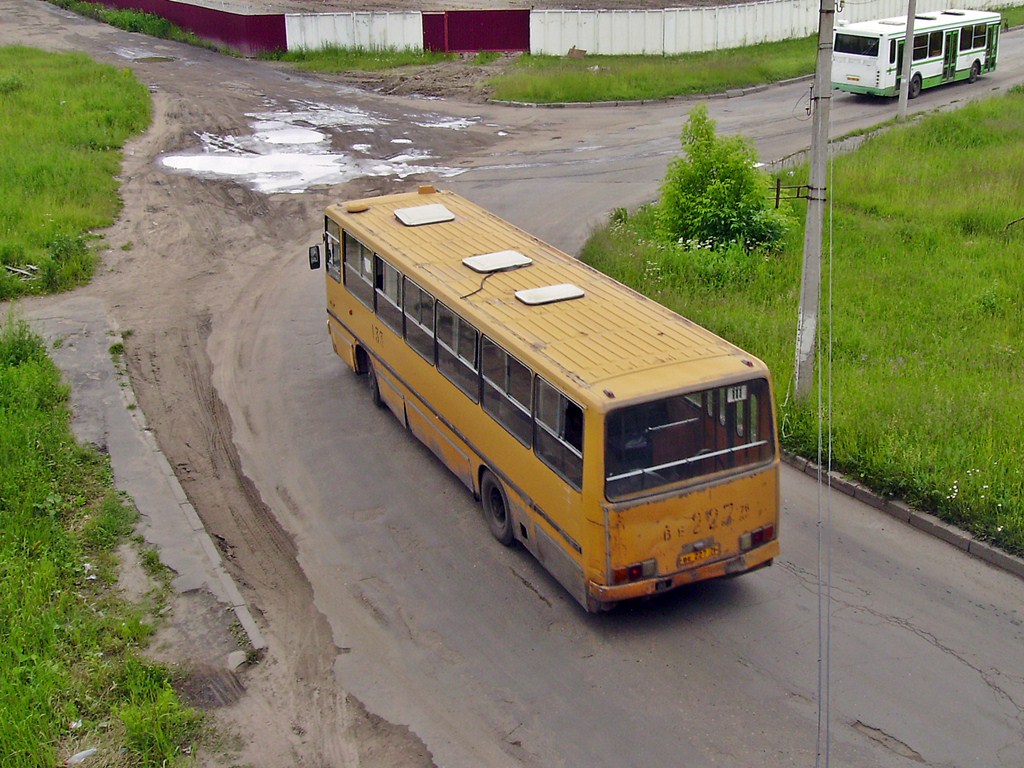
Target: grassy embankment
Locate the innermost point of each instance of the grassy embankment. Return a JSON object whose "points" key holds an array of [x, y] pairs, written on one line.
{"points": [[137, 21], [926, 319], [71, 675]]}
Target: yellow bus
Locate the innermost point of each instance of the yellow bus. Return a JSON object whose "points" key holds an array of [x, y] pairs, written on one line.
{"points": [[628, 449]]}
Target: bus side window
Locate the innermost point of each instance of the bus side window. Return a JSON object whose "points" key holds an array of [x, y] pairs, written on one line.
{"points": [[506, 390], [358, 269], [457, 351], [558, 439], [920, 47], [419, 319], [332, 244], [388, 289]]}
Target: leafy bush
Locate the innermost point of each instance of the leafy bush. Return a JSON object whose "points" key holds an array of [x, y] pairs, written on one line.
{"points": [[715, 197]]}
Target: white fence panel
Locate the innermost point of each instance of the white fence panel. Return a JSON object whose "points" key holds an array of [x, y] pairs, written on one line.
{"points": [[313, 31], [629, 31]]}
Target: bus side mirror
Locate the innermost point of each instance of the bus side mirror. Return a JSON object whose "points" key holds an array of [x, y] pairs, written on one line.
{"points": [[314, 257]]}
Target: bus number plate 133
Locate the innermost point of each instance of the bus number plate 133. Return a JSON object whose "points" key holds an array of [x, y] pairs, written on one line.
{"points": [[737, 394]]}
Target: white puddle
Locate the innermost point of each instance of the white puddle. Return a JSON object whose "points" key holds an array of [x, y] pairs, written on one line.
{"points": [[289, 150]]}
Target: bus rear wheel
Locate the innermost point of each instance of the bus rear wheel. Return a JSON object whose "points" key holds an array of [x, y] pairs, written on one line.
{"points": [[495, 504], [975, 72], [915, 87]]}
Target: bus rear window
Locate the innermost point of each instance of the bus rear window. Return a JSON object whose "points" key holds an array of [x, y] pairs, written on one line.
{"points": [[856, 45], [686, 437]]}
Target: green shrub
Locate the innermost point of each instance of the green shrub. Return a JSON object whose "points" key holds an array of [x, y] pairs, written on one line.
{"points": [[714, 197]]}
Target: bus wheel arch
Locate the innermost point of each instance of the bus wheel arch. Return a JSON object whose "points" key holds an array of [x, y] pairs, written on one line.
{"points": [[496, 509], [975, 72], [362, 360], [915, 87], [371, 380]]}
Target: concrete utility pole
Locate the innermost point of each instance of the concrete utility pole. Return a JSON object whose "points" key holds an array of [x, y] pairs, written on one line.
{"points": [[821, 100], [908, 56]]}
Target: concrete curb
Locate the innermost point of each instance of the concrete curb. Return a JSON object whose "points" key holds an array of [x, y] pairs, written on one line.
{"points": [[191, 519], [903, 512]]}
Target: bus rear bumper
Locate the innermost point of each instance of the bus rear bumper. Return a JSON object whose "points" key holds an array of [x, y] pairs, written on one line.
{"points": [[602, 596]]}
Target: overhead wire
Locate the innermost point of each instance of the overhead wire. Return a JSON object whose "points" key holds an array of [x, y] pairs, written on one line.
{"points": [[825, 406]]}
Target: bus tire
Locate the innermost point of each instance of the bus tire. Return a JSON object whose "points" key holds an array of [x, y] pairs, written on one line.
{"points": [[975, 72], [495, 505], [371, 380], [915, 87]]}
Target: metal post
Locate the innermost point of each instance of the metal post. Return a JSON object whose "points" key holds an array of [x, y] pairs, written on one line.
{"points": [[908, 55], [821, 99]]}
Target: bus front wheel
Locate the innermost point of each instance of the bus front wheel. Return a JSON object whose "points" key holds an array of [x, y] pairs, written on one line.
{"points": [[495, 504], [915, 87]]}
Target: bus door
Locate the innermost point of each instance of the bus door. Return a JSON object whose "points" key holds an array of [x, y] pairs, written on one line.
{"points": [[952, 49], [991, 45], [900, 45]]}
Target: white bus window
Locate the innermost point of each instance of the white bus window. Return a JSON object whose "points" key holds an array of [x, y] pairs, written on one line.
{"points": [[857, 45]]}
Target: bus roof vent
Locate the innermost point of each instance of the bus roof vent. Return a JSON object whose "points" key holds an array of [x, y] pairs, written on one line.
{"points": [[424, 214], [499, 261], [549, 294]]}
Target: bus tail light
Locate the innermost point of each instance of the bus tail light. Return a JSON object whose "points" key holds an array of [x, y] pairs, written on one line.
{"points": [[634, 572], [757, 537]]}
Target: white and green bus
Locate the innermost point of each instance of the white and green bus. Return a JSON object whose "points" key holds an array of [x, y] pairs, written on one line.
{"points": [[952, 45]]}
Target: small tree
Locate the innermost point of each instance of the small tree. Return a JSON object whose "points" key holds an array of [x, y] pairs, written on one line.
{"points": [[714, 195]]}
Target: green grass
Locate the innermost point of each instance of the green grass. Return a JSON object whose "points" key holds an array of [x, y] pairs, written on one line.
{"points": [[137, 21], [1013, 16], [58, 163], [548, 79], [71, 676], [337, 59], [927, 331]]}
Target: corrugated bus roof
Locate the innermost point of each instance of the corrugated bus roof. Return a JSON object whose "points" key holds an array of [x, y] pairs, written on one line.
{"points": [[610, 335]]}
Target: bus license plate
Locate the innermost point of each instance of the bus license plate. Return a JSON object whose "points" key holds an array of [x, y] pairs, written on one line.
{"points": [[689, 558]]}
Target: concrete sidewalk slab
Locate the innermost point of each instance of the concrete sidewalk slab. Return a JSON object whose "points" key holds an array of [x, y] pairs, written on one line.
{"points": [[79, 336]]}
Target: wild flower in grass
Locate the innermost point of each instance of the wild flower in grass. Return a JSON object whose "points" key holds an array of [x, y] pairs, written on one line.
{"points": [[652, 272]]}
